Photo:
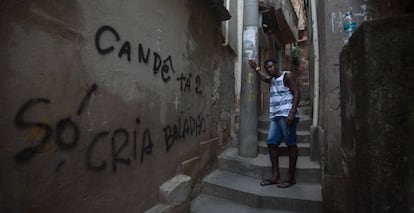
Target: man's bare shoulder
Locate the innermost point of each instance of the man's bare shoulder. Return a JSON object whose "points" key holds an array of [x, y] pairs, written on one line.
{"points": [[288, 74]]}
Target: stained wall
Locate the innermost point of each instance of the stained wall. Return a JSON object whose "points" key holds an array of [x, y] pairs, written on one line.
{"points": [[103, 101]]}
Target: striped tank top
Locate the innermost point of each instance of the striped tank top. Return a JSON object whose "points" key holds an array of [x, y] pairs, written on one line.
{"points": [[281, 98]]}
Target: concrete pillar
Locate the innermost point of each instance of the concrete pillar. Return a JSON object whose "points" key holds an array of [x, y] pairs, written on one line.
{"points": [[248, 96]]}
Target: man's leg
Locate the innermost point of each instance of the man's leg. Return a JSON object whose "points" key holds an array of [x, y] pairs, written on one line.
{"points": [[290, 139], [274, 159], [293, 157], [273, 140]]}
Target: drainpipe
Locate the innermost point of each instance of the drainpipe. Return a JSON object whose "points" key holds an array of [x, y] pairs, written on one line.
{"points": [[315, 153], [226, 27], [316, 65], [248, 97]]}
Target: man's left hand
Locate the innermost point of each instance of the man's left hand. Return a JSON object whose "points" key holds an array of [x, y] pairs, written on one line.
{"points": [[290, 118]]}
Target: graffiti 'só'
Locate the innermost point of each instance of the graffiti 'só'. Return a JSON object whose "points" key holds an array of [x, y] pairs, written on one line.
{"points": [[119, 140]]}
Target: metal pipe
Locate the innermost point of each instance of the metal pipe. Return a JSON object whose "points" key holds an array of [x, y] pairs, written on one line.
{"points": [[226, 26], [238, 65], [315, 40], [249, 92]]}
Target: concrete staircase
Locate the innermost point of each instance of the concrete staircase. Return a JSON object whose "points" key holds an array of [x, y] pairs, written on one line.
{"points": [[234, 186]]}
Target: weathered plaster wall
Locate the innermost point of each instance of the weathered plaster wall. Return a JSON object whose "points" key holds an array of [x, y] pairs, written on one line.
{"points": [[328, 133], [102, 101], [329, 130], [377, 83], [288, 13], [331, 42]]}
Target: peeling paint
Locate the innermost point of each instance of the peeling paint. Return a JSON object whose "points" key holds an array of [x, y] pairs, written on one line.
{"points": [[216, 84], [250, 37]]}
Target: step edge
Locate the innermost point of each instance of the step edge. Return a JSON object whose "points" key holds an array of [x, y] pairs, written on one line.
{"points": [[212, 180]]}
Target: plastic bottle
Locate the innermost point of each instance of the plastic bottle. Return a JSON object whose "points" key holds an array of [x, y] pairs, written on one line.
{"points": [[349, 26]]}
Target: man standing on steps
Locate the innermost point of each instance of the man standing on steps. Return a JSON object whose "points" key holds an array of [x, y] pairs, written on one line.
{"points": [[283, 103]]}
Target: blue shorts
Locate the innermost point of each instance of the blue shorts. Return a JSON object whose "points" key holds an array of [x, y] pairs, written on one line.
{"points": [[279, 130]]}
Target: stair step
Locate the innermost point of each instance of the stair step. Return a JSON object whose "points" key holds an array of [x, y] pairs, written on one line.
{"points": [[304, 103], [302, 197], [211, 204], [304, 110], [301, 136], [304, 149], [260, 167], [304, 97]]}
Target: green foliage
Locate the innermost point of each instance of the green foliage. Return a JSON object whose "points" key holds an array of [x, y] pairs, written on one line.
{"points": [[295, 56]]}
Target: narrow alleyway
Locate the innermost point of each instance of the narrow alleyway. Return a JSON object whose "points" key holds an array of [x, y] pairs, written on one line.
{"points": [[234, 186], [148, 106]]}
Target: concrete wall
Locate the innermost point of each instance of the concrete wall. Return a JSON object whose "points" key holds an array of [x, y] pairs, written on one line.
{"points": [[328, 132], [377, 83], [103, 101], [288, 13]]}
